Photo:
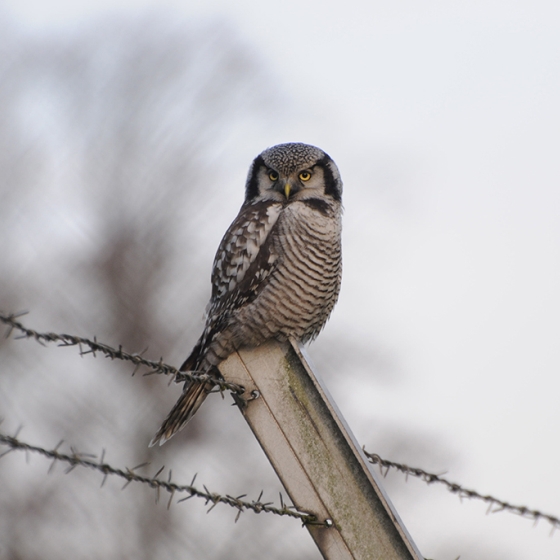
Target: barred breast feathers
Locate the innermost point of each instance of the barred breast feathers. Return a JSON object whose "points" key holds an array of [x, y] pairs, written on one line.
{"points": [[299, 297]]}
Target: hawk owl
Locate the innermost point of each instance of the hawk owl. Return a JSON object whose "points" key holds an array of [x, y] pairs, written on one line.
{"points": [[277, 271]]}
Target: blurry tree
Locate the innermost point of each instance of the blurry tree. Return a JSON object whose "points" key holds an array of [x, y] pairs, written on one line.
{"points": [[113, 143]]}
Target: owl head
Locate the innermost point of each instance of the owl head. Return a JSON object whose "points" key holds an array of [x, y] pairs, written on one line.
{"points": [[290, 172]]}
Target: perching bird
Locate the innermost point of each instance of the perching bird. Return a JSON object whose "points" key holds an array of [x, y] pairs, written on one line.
{"points": [[277, 271]]}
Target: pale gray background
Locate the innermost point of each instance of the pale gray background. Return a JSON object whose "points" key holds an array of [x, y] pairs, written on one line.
{"points": [[443, 351]]}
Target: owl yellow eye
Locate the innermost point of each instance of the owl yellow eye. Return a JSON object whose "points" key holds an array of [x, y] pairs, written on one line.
{"points": [[305, 175], [273, 176]]}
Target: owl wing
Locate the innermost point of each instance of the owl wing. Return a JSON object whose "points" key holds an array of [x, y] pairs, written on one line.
{"points": [[243, 261], [245, 258]]}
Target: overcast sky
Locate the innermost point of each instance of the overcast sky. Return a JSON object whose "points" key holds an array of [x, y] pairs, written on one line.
{"points": [[444, 117]]}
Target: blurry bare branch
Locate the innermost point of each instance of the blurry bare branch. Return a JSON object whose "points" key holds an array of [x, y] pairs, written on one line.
{"points": [[89, 461], [495, 505], [113, 353]]}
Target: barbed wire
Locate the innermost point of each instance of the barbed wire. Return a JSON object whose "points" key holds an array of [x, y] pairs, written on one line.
{"points": [[495, 505], [90, 461], [113, 353]]}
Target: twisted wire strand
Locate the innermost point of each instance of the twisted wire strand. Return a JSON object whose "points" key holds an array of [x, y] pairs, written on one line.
{"points": [[495, 505], [113, 353], [89, 461]]}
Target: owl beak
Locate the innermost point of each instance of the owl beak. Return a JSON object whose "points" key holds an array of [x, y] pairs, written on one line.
{"points": [[287, 190]]}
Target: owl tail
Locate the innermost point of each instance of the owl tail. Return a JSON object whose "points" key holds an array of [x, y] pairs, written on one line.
{"points": [[193, 396], [184, 409]]}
